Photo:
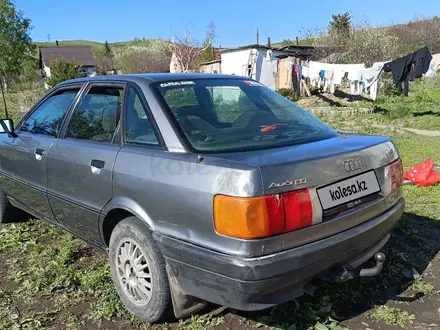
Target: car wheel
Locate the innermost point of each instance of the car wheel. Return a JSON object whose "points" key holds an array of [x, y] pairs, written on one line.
{"points": [[138, 271], [6, 209]]}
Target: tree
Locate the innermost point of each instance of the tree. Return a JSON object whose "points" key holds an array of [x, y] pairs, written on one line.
{"points": [[208, 51], [105, 59], [187, 50], [61, 70], [341, 25], [15, 43], [108, 51]]}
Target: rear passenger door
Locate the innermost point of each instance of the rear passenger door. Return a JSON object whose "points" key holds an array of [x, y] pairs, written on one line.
{"points": [[80, 165]]}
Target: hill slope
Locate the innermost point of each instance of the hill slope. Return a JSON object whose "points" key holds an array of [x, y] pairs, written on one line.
{"points": [[96, 46]]}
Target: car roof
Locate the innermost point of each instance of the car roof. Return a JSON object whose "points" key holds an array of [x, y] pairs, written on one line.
{"points": [[154, 77]]}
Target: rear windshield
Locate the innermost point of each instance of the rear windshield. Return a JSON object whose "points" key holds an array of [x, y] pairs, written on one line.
{"points": [[221, 115]]}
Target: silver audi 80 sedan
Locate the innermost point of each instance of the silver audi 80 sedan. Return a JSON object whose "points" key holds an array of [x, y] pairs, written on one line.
{"points": [[202, 188]]}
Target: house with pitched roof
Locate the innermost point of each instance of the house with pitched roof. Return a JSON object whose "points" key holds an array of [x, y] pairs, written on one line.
{"points": [[81, 55]]}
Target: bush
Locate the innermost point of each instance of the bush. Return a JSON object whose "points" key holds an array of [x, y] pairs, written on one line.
{"points": [[286, 92], [388, 88], [143, 61], [365, 44], [61, 70]]}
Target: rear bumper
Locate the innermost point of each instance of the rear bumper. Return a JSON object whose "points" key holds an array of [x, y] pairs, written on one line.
{"points": [[262, 282]]}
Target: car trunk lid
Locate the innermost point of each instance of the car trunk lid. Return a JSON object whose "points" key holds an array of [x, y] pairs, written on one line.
{"points": [[329, 169]]}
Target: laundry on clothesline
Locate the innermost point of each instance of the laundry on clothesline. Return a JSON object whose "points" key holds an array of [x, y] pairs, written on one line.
{"points": [[316, 72], [370, 79], [361, 79], [434, 66], [408, 67]]}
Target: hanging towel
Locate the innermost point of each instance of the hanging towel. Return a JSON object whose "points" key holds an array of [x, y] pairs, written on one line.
{"points": [[436, 59], [370, 79], [355, 74], [329, 82], [305, 71], [339, 74], [314, 69], [431, 71]]}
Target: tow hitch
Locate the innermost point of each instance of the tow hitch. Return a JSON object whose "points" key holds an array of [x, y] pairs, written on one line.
{"points": [[346, 273]]}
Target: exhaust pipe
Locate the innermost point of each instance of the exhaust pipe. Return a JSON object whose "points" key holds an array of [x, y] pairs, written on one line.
{"points": [[310, 289]]}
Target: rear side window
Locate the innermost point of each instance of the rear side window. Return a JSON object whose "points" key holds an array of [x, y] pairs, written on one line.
{"points": [[138, 128], [49, 115], [97, 115], [222, 115]]}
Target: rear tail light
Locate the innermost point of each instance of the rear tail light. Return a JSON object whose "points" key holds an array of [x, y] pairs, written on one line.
{"points": [[298, 210], [248, 218], [396, 174], [258, 217]]}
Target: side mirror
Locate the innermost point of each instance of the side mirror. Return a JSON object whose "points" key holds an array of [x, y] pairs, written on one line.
{"points": [[6, 126]]}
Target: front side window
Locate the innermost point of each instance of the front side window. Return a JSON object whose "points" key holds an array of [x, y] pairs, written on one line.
{"points": [[48, 117], [138, 128], [232, 114], [97, 115]]}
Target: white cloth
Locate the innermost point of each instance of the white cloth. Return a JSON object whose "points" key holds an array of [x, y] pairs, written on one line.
{"points": [[355, 74], [431, 72], [329, 81], [339, 74], [370, 79], [305, 71], [355, 87], [434, 66], [314, 69], [381, 64]]}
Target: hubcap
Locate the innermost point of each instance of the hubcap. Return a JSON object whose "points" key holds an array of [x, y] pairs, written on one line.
{"points": [[134, 272]]}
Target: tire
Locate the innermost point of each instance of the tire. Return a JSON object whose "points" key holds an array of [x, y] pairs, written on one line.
{"points": [[131, 240], [6, 209]]}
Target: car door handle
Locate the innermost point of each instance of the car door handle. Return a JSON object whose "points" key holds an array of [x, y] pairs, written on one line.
{"points": [[97, 165], [39, 153]]}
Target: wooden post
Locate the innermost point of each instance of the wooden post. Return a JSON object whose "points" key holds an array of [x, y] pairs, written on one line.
{"points": [[305, 87], [3, 95], [295, 83]]}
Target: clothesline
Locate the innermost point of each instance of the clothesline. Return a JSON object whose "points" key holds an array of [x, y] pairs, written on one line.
{"points": [[415, 65], [331, 75]]}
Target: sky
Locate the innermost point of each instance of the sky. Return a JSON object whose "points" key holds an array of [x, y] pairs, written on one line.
{"points": [[236, 21]]}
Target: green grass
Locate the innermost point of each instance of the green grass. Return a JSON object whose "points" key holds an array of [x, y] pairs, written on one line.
{"points": [[420, 110], [19, 102], [393, 316], [426, 122], [54, 268], [422, 286], [424, 98]]}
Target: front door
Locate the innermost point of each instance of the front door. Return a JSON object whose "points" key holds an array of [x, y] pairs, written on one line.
{"points": [[80, 165], [23, 157]]}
